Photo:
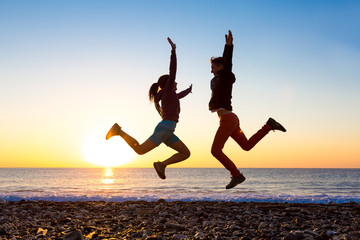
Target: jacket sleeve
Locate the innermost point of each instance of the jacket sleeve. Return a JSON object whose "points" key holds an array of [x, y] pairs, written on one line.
{"points": [[227, 55], [184, 93], [172, 71]]}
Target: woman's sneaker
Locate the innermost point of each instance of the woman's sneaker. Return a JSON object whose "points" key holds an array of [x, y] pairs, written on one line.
{"points": [[114, 131], [160, 169], [235, 181], [275, 125]]}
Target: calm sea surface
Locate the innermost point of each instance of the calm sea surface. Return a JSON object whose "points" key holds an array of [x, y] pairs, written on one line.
{"points": [[186, 184]]}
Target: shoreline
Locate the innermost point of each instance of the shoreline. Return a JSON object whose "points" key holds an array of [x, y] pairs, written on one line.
{"points": [[178, 220]]}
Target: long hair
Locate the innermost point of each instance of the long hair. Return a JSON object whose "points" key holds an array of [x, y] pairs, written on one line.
{"points": [[154, 90]]}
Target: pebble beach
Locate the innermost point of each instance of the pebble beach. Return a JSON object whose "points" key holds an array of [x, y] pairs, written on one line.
{"points": [[177, 220]]}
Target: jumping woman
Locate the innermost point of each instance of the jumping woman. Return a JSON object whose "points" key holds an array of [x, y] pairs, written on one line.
{"points": [[166, 100], [220, 102]]}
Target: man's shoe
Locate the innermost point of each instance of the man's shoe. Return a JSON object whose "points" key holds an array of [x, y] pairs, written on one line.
{"points": [[275, 125], [160, 169], [235, 181], [114, 131]]}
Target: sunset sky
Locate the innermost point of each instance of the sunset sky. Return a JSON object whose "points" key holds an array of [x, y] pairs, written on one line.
{"points": [[70, 69]]}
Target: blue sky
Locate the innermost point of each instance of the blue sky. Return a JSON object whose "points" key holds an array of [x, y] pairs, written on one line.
{"points": [[75, 66]]}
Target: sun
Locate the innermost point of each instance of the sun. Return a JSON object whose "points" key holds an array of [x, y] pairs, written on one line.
{"points": [[107, 153]]}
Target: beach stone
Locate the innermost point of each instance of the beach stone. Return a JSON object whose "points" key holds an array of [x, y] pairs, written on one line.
{"points": [[180, 236], [41, 232], [148, 233], [175, 226], [2, 231], [161, 201], [294, 236], [262, 225], [233, 227], [237, 233], [341, 237], [331, 233], [132, 207], [75, 235], [308, 237], [199, 235], [2, 201], [4, 219], [328, 234], [91, 235], [154, 237], [163, 214], [245, 238], [312, 233]]}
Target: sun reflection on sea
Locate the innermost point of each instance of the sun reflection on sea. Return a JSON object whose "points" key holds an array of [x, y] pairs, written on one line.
{"points": [[108, 178]]}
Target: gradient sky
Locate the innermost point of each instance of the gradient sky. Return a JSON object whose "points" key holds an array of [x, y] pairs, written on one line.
{"points": [[70, 69]]}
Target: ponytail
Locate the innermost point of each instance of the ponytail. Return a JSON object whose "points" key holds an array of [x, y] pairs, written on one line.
{"points": [[152, 96], [154, 89]]}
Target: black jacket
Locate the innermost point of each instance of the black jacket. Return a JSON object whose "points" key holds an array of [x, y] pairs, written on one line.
{"points": [[221, 85]]}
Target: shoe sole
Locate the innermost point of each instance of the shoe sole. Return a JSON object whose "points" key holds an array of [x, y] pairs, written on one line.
{"points": [[109, 133], [281, 128], [243, 180], [158, 171], [277, 126]]}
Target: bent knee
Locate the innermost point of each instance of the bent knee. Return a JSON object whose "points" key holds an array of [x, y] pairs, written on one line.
{"points": [[187, 154], [140, 152], [216, 152], [246, 148]]}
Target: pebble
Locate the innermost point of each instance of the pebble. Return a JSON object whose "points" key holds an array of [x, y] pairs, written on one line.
{"points": [[74, 235], [180, 236], [199, 235], [162, 220], [175, 226]]}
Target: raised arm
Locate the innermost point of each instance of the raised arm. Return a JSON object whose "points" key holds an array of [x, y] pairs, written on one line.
{"points": [[173, 63], [229, 38], [173, 45], [228, 51]]}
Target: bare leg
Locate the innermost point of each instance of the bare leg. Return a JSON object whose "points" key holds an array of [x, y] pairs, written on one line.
{"points": [[140, 149], [182, 153]]}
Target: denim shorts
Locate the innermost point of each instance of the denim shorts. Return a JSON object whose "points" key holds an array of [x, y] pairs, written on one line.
{"points": [[164, 133]]}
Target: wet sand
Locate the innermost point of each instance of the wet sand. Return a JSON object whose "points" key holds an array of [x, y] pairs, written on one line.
{"points": [[177, 220]]}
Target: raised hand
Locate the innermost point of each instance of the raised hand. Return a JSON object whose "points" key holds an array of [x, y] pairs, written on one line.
{"points": [[229, 38], [173, 45]]}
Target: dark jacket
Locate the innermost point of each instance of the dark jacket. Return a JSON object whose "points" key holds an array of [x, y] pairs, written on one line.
{"points": [[221, 85]]}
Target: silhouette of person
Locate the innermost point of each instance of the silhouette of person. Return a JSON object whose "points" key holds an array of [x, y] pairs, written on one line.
{"points": [[220, 102], [164, 92]]}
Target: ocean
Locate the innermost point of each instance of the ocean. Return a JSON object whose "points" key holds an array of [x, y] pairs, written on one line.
{"points": [[184, 184]]}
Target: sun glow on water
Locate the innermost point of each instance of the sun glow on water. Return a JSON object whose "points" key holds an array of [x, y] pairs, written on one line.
{"points": [[108, 177]]}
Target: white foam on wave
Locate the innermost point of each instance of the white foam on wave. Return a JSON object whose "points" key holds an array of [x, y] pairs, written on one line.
{"points": [[250, 197]]}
